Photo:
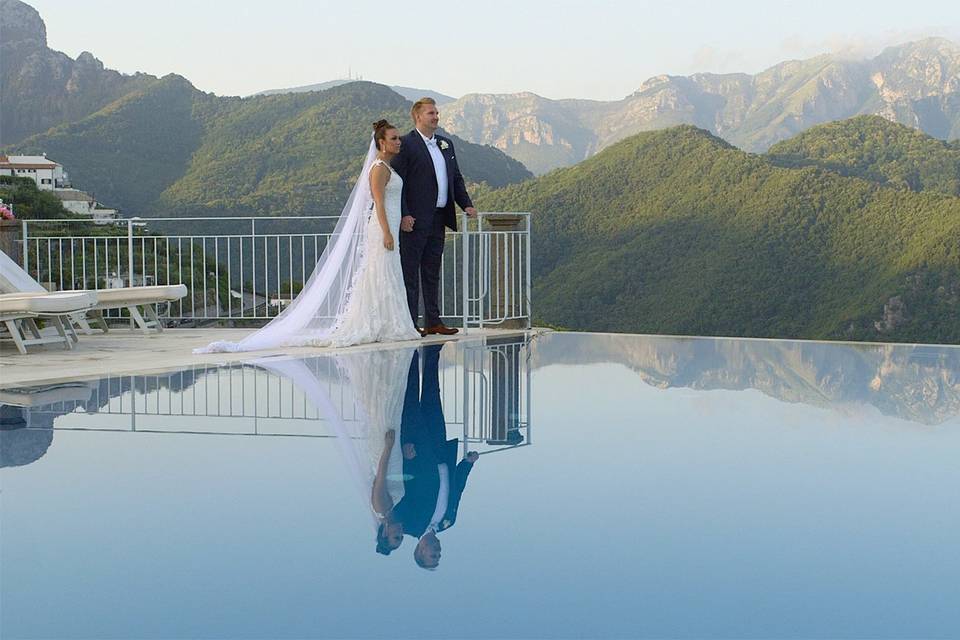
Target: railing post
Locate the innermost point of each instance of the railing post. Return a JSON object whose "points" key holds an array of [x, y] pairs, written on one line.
{"points": [[528, 285], [465, 292], [130, 253], [25, 248], [253, 268], [504, 298]]}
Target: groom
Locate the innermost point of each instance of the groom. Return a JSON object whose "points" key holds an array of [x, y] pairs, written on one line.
{"points": [[432, 183], [433, 480]]}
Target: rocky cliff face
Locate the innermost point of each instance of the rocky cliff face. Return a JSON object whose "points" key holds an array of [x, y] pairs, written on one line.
{"points": [[916, 84], [541, 133], [43, 88]]}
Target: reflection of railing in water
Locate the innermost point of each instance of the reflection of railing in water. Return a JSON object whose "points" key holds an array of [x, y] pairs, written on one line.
{"points": [[496, 394], [484, 385]]}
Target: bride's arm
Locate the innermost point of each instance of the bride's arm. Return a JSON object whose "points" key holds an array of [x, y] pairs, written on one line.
{"points": [[379, 176], [380, 498]]}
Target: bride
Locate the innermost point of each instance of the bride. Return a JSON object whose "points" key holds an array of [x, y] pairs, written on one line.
{"points": [[356, 294]]}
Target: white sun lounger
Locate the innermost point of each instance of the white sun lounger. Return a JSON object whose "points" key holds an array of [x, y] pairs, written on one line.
{"points": [[13, 279], [18, 314], [35, 397]]}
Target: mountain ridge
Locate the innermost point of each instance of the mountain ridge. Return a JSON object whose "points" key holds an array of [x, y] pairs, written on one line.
{"points": [[410, 93], [917, 84], [170, 149], [873, 148]]}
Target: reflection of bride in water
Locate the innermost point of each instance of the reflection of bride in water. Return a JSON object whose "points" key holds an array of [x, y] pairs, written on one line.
{"points": [[369, 445], [396, 449]]}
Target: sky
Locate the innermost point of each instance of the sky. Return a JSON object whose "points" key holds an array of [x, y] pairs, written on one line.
{"points": [[600, 49]]}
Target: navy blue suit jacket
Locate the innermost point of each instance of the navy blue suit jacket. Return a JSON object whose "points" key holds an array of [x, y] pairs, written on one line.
{"points": [[422, 424], [419, 199]]}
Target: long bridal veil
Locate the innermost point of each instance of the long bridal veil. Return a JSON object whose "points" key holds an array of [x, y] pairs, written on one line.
{"points": [[373, 384], [311, 318]]}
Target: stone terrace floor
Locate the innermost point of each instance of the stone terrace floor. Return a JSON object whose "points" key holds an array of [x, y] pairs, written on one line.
{"points": [[123, 351]]}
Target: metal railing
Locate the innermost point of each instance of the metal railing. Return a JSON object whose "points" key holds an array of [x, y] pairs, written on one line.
{"points": [[245, 268]]}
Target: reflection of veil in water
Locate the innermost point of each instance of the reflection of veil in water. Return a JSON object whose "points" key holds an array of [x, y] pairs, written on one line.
{"points": [[377, 381]]}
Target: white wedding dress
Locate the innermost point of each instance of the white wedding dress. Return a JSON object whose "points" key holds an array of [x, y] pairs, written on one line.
{"points": [[375, 381], [377, 309], [356, 293]]}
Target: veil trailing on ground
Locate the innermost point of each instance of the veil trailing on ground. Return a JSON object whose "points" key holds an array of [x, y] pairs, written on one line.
{"points": [[312, 316]]}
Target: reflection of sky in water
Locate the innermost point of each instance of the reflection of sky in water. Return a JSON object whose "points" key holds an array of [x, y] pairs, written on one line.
{"points": [[637, 511]]}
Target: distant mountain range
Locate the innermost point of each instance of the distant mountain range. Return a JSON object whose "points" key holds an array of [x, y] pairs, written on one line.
{"points": [[678, 232], [916, 84], [410, 93]]}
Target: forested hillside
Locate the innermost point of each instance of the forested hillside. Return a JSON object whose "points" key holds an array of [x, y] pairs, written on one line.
{"points": [[678, 232]]}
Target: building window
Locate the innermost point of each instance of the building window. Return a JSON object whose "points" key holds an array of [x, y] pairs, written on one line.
{"points": [[45, 181]]}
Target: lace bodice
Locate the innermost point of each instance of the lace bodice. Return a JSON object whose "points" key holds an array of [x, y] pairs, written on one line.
{"points": [[391, 198]]}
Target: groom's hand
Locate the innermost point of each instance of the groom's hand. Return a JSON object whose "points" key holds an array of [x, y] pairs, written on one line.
{"points": [[406, 223], [471, 211]]}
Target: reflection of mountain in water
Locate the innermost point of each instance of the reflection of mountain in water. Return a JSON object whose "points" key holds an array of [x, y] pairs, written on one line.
{"points": [[20, 446], [916, 383]]}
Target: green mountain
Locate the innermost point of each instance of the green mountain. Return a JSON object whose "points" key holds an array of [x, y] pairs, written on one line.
{"points": [[172, 150], [876, 149], [916, 84], [410, 93], [678, 232], [129, 152]]}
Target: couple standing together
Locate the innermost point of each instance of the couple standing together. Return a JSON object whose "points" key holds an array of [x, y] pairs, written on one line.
{"points": [[432, 480], [386, 250]]}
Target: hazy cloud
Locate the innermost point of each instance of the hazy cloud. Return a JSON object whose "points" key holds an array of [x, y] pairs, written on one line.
{"points": [[714, 60], [861, 46], [798, 47]]}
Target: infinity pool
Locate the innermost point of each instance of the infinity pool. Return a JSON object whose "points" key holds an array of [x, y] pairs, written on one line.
{"points": [[626, 486]]}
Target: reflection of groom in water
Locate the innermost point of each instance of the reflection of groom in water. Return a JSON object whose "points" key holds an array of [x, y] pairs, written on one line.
{"points": [[433, 481]]}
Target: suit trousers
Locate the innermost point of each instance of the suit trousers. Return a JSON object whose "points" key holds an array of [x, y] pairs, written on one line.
{"points": [[421, 256]]}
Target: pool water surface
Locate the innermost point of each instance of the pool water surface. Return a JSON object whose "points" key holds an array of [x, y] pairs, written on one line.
{"points": [[624, 486]]}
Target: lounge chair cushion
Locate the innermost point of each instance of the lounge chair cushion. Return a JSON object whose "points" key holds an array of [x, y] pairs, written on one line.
{"points": [[125, 296], [48, 304]]}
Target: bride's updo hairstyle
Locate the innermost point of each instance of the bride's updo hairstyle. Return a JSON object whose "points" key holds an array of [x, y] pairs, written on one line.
{"points": [[380, 128]]}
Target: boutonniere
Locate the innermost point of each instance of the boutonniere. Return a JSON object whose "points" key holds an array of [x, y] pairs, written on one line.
{"points": [[443, 145]]}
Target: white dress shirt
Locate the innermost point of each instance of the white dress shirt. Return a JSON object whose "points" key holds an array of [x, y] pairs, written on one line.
{"points": [[443, 497], [439, 167]]}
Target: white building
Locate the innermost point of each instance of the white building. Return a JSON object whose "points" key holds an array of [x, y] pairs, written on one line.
{"points": [[48, 175], [82, 203]]}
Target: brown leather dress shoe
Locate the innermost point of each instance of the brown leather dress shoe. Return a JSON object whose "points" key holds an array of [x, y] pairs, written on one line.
{"points": [[442, 330], [423, 332]]}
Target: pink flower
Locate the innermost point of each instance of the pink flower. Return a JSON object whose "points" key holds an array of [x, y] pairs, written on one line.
{"points": [[6, 213]]}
